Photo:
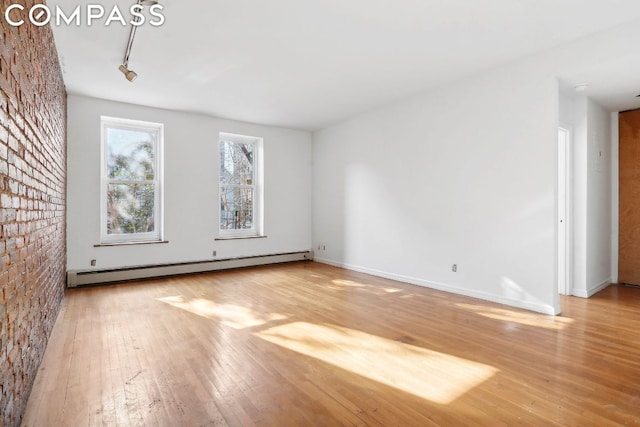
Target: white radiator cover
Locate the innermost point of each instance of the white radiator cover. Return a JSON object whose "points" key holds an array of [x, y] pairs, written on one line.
{"points": [[77, 278]]}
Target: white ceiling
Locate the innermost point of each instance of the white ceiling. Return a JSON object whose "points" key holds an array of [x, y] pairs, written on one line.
{"points": [[306, 64]]}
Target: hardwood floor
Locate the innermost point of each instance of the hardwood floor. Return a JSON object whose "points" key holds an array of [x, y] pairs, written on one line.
{"points": [[307, 344]]}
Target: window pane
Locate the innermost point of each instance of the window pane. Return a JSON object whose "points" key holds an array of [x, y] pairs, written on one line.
{"points": [[130, 208], [236, 163], [130, 154], [236, 208]]}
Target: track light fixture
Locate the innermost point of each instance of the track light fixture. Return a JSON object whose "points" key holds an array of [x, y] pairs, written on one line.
{"points": [[129, 74], [124, 67]]}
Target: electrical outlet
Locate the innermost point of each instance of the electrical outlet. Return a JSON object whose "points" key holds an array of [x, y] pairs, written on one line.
{"points": [[324, 248], [215, 253], [454, 268], [93, 263]]}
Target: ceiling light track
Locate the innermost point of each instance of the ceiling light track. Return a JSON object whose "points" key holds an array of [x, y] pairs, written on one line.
{"points": [[124, 67]]}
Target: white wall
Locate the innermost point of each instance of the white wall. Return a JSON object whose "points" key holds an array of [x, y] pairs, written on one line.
{"points": [[466, 174], [615, 195], [463, 175], [191, 193], [598, 199]]}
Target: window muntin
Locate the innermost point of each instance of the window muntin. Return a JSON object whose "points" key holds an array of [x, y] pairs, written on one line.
{"points": [[240, 185], [131, 181]]}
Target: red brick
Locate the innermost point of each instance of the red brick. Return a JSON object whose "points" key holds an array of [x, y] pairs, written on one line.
{"points": [[32, 206]]}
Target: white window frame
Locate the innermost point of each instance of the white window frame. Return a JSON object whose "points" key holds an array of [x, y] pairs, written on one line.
{"points": [[258, 187], [158, 129]]}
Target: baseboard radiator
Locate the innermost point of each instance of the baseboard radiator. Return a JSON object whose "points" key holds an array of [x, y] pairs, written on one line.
{"points": [[77, 278]]}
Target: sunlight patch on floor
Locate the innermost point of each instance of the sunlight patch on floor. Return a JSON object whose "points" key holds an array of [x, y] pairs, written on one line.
{"points": [[524, 318], [232, 315], [375, 289], [437, 377]]}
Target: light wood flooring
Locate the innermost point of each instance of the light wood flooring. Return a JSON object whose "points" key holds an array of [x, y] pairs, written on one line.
{"points": [[306, 344]]}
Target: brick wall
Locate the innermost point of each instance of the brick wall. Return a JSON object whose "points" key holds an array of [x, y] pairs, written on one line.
{"points": [[32, 205]]}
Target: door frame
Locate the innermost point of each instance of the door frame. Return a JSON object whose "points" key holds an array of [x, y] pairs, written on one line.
{"points": [[564, 211]]}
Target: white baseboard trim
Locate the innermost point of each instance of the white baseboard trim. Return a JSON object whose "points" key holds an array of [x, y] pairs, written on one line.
{"points": [[527, 305], [588, 293]]}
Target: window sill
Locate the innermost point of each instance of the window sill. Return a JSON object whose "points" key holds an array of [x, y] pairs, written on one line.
{"points": [[239, 237], [100, 245]]}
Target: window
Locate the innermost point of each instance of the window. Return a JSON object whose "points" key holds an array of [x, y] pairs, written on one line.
{"points": [[131, 181], [240, 185]]}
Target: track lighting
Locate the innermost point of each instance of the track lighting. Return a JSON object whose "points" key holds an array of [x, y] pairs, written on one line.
{"points": [[129, 74], [124, 67]]}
